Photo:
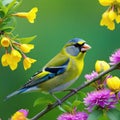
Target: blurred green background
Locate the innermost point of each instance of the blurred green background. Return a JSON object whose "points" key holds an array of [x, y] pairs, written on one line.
{"points": [[57, 22]]}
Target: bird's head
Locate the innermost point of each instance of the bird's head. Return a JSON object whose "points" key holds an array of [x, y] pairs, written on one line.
{"points": [[76, 47]]}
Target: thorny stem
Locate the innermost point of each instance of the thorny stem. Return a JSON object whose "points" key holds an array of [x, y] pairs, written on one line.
{"points": [[71, 93]]}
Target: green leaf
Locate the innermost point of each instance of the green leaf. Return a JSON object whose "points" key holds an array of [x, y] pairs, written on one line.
{"points": [[42, 101], [10, 5], [6, 2], [17, 5], [1, 14], [7, 29], [67, 108], [95, 115], [3, 8], [76, 103], [81, 95], [27, 40], [1, 4], [114, 114], [61, 109], [103, 117]]}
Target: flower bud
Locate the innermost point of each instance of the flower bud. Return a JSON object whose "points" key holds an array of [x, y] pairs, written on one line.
{"points": [[101, 66], [113, 84]]}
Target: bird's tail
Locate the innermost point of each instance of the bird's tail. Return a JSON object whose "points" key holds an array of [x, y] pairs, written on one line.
{"points": [[22, 90]]}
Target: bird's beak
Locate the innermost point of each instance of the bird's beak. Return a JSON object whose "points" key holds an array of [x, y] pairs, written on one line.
{"points": [[85, 47]]}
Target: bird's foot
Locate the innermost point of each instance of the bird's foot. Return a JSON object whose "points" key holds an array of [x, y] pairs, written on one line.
{"points": [[57, 99]]}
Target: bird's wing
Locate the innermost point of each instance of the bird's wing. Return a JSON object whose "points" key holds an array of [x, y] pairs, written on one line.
{"points": [[46, 74]]}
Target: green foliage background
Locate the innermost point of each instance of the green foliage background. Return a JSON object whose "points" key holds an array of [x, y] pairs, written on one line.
{"points": [[57, 22]]}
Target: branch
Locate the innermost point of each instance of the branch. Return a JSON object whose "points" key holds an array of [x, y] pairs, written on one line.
{"points": [[71, 93]]}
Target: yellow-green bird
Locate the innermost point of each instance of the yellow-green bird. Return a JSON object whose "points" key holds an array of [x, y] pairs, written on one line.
{"points": [[60, 72]]}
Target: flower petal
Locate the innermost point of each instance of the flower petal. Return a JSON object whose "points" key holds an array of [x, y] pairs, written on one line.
{"points": [[106, 2], [27, 62]]}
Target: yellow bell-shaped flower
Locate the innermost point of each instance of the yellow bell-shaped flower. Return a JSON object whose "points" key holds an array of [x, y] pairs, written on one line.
{"points": [[26, 47], [8, 59], [27, 62], [5, 42], [31, 15], [107, 21]]}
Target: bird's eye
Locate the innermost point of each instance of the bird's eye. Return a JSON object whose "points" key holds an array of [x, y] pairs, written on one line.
{"points": [[76, 45]]}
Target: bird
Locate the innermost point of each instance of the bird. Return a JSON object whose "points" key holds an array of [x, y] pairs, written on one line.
{"points": [[60, 72]]}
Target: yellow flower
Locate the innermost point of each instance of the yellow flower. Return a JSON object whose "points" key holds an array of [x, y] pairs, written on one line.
{"points": [[106, 2], [107, 21], [104, 19], [26, 47], [118, 19], [5, 59], [16, 56], [111, 25], [5, 42], [18, 116], [27, 62], [13, 65], [112, 15], [113, 84], [101, 66], [31, 15]]}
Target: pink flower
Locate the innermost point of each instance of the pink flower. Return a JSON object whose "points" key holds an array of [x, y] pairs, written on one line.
{"points": [[115, 57], [102, 99], [91, 76], [25, 112], [75, 116]]}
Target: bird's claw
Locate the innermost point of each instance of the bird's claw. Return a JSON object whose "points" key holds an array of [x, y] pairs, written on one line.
{"points": [[59, 101]]}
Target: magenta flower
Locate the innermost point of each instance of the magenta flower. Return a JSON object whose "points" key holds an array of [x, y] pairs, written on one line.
{"points": [[75, 116], [24, 111], [102, 98], [115, 57], [91, 76]]}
